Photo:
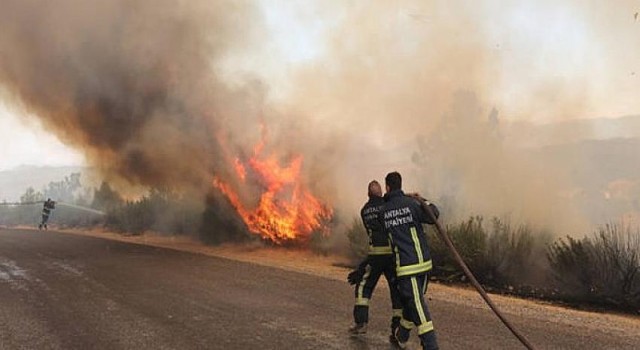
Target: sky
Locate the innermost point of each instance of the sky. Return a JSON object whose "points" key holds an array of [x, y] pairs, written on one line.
{"points": [[25, 142], [591, 49]]}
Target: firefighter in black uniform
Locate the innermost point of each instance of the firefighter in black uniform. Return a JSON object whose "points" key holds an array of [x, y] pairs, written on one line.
{"points": [[49, 205], [402, 217], [379, 262]]}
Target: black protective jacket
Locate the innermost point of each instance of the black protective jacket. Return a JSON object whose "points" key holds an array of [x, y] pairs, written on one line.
{"points": [[48, 206], [378, 238], [402, 217]]}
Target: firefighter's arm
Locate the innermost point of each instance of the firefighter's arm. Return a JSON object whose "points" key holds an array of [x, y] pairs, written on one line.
{"points": [[435, 213], [425, 217]]}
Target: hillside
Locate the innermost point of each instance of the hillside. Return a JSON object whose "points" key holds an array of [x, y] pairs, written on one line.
{"points": [[14, 182], [534, 135]]}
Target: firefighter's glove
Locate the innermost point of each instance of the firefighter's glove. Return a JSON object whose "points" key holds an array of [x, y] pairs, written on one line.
{"points": [[355, 276]]}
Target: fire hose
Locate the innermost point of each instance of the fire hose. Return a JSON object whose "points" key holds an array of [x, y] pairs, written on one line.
{"points": [[79, 207], [13, 204], [442, 233]]}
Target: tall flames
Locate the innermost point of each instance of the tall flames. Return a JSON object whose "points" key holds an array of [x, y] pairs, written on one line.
{"points": [[286, 211]]}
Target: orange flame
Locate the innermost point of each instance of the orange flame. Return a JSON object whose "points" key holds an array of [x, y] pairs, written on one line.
{"points": [[242, 172], [287, 211]]}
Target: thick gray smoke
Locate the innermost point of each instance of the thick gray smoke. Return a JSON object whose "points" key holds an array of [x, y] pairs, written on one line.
{"points": [[132, 83], [413, 86]]}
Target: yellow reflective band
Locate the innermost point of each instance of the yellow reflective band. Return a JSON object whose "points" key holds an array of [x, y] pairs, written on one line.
{"points": [[425, 328], [364, 280], [414, 269], [373, 250], [416, 300], [362, 301], [397, 256], [397, 313], [406, 324], [416, 243]]}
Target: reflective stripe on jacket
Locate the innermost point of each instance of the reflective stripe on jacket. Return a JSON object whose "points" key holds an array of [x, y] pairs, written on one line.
{"points": [[402, 217]]}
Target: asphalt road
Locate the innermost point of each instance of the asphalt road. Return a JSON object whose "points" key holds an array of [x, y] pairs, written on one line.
{"points": [[61, 291]]}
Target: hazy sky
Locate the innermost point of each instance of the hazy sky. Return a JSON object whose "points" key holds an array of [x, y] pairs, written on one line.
{"points": [[26, 143], [551, 60]]}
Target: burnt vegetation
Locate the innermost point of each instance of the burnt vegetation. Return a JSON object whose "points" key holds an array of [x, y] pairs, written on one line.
{"points": [[599, 271], [602, 269]]}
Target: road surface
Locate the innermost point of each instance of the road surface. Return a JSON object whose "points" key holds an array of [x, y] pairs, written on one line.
{"points": [[62, 291]]}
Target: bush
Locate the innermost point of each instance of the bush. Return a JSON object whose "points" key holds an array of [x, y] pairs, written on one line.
{"points": [[601, 269], [68, 217], [500, 256], [469, 238], [218, 225], [159, 211], [358, 239], [515, 256]]}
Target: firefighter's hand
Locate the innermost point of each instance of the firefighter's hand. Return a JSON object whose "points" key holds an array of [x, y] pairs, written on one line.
{"points": [[416, 195], [355, 276]]}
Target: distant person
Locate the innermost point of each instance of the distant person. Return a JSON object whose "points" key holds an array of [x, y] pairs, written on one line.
{"points": [[49, 205], [402, 217], [379, 262]]}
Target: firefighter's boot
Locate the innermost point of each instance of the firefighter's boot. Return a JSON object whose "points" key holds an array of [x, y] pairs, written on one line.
{"points": [[402, 337], [429, 341], [358, 329], [395, 324]]}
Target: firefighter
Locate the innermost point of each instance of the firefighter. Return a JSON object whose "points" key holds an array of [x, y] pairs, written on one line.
{"points": [[49, 205], [379, 262], [402, 216]]}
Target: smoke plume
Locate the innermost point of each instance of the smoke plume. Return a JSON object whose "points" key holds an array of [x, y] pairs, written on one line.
{"points": [[430, 88], [132, 83], [420, 87]]}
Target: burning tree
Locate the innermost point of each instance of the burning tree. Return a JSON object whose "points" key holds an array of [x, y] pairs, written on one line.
{"points": [[286, 211]]}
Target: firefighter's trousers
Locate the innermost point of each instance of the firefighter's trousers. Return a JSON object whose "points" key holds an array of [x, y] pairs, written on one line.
{"points": [[378, 265], [415, 312], [45, 218]]}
